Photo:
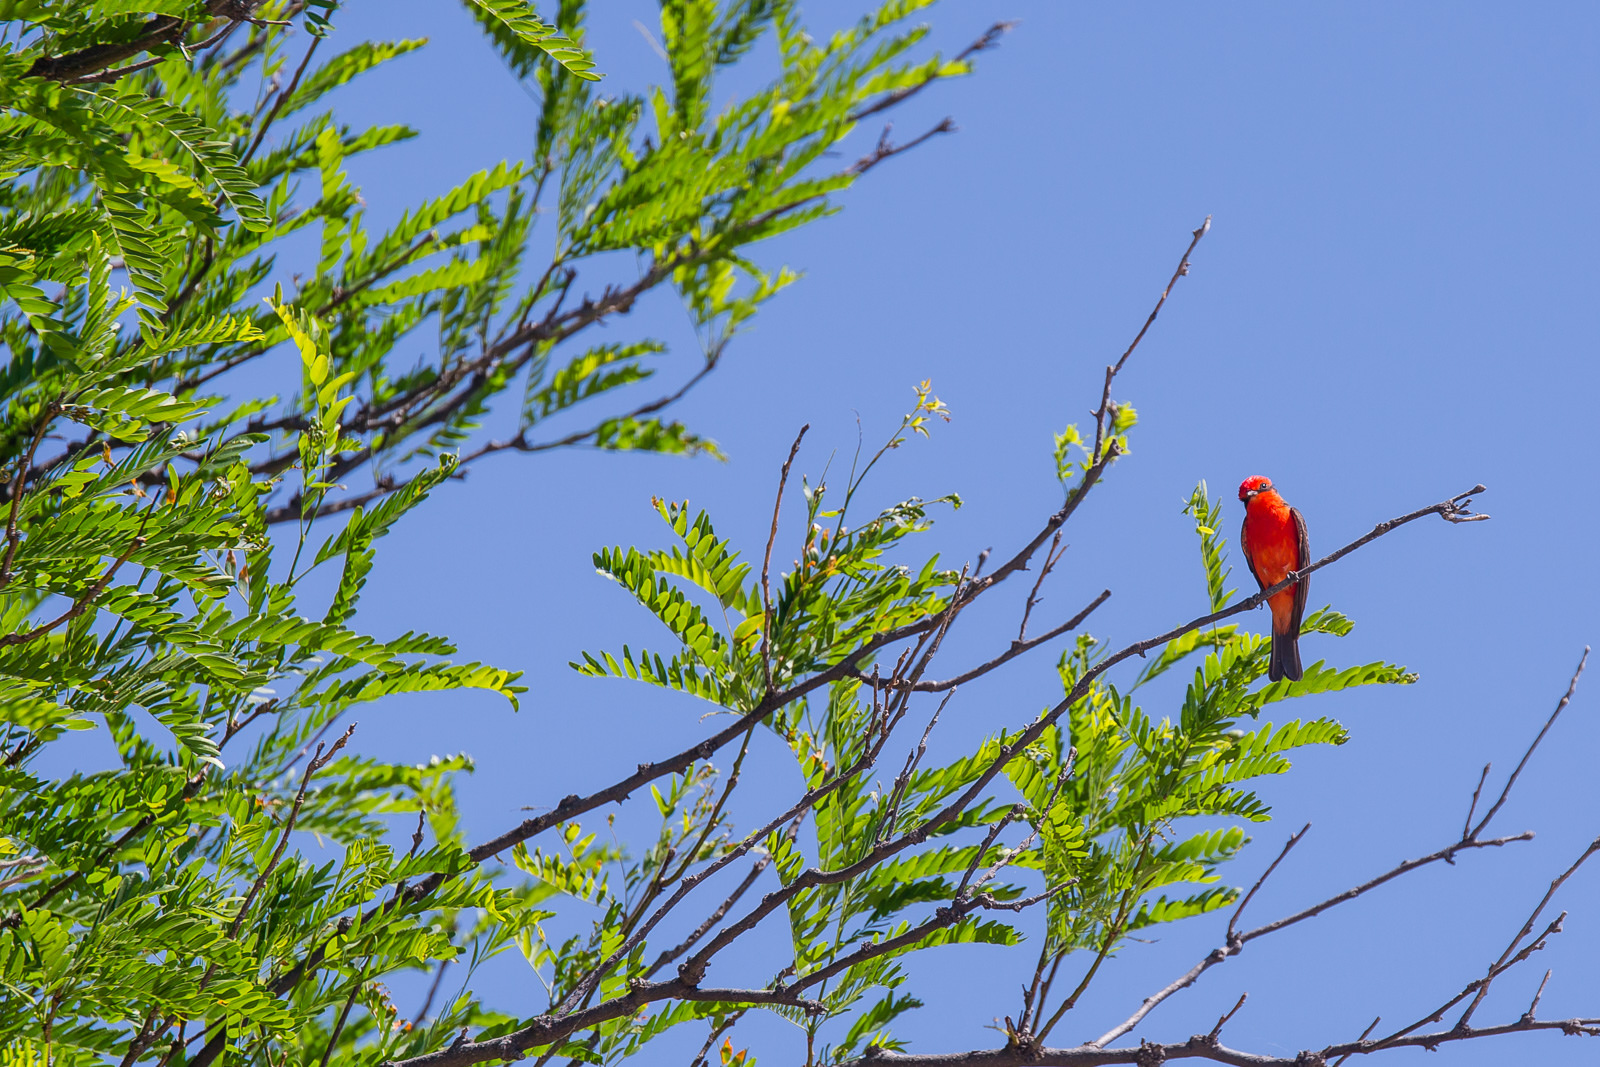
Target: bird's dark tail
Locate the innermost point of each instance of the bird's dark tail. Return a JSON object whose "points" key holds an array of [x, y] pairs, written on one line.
{"points": [[1285, 662]]}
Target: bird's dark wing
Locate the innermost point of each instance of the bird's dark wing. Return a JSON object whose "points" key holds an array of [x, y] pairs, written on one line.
{"points": [[1244, 546], [1303, 586]]}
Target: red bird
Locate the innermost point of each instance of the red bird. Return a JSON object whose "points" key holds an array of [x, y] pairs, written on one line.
{"points": [[1274, 543]]}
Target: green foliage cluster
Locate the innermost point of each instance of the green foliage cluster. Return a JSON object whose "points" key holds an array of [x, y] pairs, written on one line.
{"points": [[1121, 807], [163, 910]]}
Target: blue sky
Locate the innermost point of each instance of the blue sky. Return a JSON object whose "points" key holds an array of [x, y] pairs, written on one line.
{"points": [[1394, 303]]}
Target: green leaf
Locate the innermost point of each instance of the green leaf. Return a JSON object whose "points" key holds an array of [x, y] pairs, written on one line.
{"points": [[213, 159], [520, 19]]}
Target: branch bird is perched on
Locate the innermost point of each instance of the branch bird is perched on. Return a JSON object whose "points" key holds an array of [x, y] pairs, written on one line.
{"points": [[1274, 543]]}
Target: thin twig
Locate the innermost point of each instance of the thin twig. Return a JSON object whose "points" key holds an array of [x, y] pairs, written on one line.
{"points": [[766, 561], [433, 990], [1016, 811], [283, 98], [989, 39], [668, 955], [1561, 705], [80, 605], [1112, 371], [1388, 876], [16, 489], [344, 1016], [947, 916], [1373, 1025], [891, 810], [1466, 827], [1538, 994], [1500, 964], [1294, 840], [1017, 648], [1216, 1030], [1236, 941], [1050, 559], [318, 762], [887, 149], [711, 1039]]}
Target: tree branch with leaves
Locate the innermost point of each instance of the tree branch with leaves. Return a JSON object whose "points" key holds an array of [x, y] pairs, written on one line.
{"points": [[161, 523]]}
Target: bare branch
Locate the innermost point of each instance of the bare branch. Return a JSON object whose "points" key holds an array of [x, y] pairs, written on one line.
{"points": [[957, 910], [668, 955], [547, 1029], [1538, 995], [1373, 1025], [1479, 986], [1216, 1030], [1017, 648], [1561, 705], [887, 149], [30, 866], [711, 1038], [1235, 941], [1016, 811], [1387, 876], [1050, 559], [1233, 944], [891, 810], [1571, 1027], [1501, 964], [1112, 371], [1294, 839], [1200, 1047], [1466, 827]]}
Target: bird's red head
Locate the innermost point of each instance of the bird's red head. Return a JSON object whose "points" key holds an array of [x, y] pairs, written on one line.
{"points": [[1256, 483]]}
